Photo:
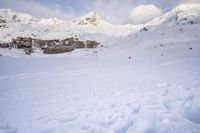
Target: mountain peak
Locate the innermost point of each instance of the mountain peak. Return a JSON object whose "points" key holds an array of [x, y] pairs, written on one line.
{"points": [[91, 14], [182, 14], [91, 18]]}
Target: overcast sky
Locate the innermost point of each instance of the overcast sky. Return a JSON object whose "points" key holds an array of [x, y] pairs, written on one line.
{"points": [[113, 11]]}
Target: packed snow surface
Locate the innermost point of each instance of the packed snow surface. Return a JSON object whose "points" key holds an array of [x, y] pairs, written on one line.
{"points": [[59, 94]]}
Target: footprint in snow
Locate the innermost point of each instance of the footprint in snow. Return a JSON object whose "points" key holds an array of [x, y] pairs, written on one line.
{"points": [[117, 94], [168, 104], [7, 128], [122, 125], [67, 118], [165, 89], [92, 128], [186, 88], [165, 92], [4, 125], [145, 124], [164, 85], [136, 109], [193, 114], [42, 118], [187, 105], [109, 120], [185, 97], [48, 131]]}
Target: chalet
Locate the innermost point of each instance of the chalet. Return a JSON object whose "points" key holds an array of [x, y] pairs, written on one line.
{"points": [[64, 41], [28, 51], [5, 45], [71, 41], [22, 42], [49, 43], [2, 20], [2, 26], [79, 44], [91, 44], [58, 49], [38, 43]]}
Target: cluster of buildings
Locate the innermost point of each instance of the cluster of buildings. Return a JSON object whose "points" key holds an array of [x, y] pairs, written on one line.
{"points": [[49, 46]]}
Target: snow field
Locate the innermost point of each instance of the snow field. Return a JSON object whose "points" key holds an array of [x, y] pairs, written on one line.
{"points": [[88, 95]]}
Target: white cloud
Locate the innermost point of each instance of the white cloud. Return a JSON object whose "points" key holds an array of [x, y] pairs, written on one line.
{"points": [[144, 14], [36, 9], [115, 11]]}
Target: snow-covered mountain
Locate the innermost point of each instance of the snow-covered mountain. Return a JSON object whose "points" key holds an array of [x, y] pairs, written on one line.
{"points": [[18, 24], [182, 14], [15, 24], [173, 36], [179, 22]]}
